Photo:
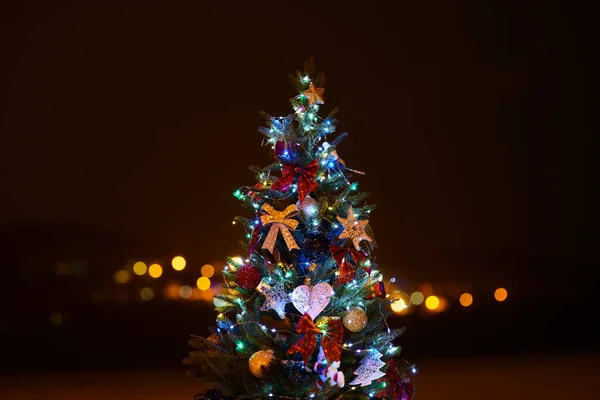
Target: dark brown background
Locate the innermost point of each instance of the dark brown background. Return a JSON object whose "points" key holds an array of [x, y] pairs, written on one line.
{"points": [[125, 127]]}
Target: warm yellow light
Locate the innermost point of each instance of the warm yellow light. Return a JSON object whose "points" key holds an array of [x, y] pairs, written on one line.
{"points": [[398, 305], [417, 298], [202, 295], [139, 268], [466, 299], [56, 319], [203, 283], [500, 294], [155, 270], [178, 263], [207, 271], [185, 292], [146, 294], [122, 276], [432, 302]]}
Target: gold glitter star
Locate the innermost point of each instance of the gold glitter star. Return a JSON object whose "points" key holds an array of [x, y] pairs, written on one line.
{"points": [[314, 95], [354, 229]]}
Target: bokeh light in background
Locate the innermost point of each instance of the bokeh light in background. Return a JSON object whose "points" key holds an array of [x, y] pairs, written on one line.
{"points": [[203, 283], [207, 271], [139, 268], [185, 292], [432, 302], [146, 294], [399, 305], [171, 291], [56, 319], [500, 294], [122, 276], [155, 270], [466, 299], [202, 295], [178, 263], [417, 298]]}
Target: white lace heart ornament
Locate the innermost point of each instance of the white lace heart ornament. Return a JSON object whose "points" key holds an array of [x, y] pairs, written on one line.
{"points": [[312, 300]]}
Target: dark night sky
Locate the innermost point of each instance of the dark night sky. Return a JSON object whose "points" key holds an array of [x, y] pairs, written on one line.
{"points": [[468, 119]]}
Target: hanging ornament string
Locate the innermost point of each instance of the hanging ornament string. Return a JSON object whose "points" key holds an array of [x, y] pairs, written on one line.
{"points": [[306, 182], [333, 333], [280, 221]]}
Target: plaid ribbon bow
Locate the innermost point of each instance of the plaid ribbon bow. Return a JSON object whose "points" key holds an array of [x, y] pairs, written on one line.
{"points": [[340, 255], [306, 182], [331, 342], [397, 388]]}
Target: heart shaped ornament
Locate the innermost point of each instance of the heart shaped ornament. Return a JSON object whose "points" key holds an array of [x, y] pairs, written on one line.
{"points": [[312, 300]]}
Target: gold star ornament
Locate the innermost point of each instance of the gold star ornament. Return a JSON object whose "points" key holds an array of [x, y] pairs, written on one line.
{"points": [[314, 95], [354, 229]]}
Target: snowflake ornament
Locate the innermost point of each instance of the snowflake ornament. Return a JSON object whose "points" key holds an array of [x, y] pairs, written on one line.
{"points": [[354, 229]]}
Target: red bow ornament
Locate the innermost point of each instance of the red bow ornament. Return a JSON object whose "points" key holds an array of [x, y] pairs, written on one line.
{"points": [[331, 342], [340, 254], [306, 182], [397, 387]]}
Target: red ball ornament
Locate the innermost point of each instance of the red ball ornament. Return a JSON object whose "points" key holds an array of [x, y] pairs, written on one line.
{"points": [[248, 277]]}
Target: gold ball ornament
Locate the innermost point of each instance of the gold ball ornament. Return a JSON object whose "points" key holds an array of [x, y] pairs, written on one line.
{"points": [[355, 319], [258, 360]]}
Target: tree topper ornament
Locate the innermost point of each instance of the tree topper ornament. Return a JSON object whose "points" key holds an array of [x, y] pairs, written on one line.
{"points": [[314, 95], [353, 228]]}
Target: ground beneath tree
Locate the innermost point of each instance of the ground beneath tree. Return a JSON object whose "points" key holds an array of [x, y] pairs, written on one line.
{"points": [[449, 379]]}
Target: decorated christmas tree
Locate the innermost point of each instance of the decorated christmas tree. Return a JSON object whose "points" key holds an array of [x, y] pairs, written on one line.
{"points": [[304, 312]]}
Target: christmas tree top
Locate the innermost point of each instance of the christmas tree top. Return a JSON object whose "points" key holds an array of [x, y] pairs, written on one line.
{"points": [[305, 311]]}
